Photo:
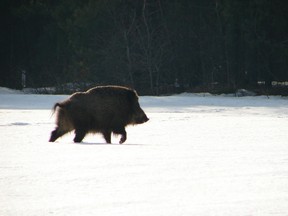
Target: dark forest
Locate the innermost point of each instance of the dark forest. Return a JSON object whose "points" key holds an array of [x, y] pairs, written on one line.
{"points": [[154, 46]]}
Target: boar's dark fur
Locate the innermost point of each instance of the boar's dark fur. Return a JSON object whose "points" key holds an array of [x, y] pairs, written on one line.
{"points": [[103, 109]]}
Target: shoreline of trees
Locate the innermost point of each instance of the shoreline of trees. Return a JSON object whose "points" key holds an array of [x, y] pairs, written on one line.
{"points": [[211, 45]]}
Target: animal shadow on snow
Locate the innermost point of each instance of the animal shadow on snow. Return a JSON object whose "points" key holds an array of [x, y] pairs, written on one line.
{"points": [[107, 144]]}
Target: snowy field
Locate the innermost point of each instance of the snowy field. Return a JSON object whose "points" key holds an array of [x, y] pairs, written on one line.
{"points": [[198, 155]]}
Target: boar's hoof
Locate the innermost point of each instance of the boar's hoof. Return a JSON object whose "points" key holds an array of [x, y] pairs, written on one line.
{"points": [[123, 139], [56, 134]]}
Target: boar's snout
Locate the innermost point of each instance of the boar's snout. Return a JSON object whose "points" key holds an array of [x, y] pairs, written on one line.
{"points": [[140, 117], [142, 120], [145, 118]]}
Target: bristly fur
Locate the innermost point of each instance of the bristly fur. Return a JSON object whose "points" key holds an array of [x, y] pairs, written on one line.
{"points": [[104, 109]]}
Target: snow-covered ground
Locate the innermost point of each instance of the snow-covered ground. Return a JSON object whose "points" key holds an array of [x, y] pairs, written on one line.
{"points": [[198, 155]]}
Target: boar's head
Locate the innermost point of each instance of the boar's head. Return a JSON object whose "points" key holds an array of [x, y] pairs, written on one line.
{"points": [[138, 115]]}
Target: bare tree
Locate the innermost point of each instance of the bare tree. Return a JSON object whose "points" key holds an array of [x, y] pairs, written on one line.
{"points": [[153, 42]]}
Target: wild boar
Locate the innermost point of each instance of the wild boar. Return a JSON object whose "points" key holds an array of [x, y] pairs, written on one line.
{"points": [[103, 109]]}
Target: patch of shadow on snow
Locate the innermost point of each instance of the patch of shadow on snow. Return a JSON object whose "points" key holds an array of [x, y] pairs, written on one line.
{"points": [[107, 144], [16, 124]]}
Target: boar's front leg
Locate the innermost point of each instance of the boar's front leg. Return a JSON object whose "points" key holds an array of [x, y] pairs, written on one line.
{"points": [[123, 133], [123, 137], [79, 135]]}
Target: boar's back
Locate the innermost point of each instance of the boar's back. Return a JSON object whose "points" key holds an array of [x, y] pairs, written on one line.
{"points": [[102, 107]]}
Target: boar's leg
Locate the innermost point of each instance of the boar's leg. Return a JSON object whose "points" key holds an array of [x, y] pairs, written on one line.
{"points": [[123, 133], [107, 136], [56, 134], [79, 135], [123, 137]]}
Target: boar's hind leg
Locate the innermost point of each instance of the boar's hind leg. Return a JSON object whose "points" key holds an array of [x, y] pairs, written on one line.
{"points": [[56, 134], [107, 136], [79, 135]]}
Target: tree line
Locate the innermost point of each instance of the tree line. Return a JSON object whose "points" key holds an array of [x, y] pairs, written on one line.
{"points": [[155, 46]]}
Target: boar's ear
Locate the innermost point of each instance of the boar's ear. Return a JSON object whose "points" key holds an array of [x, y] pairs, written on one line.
{"points": [[132, 96]]}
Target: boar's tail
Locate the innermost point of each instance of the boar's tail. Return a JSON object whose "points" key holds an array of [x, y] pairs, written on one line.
{"points": [[55, 106]]}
